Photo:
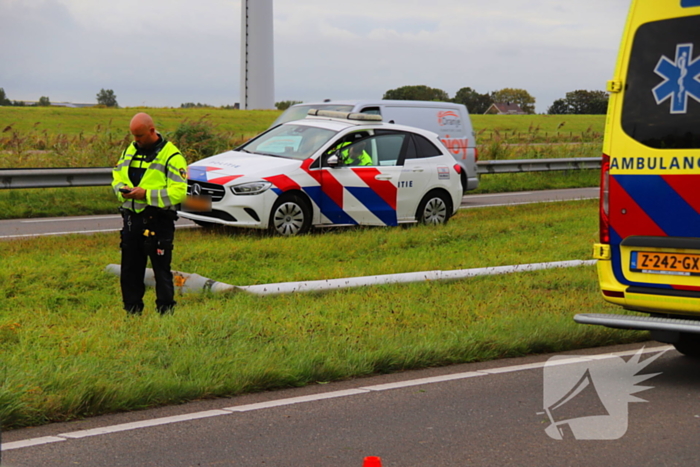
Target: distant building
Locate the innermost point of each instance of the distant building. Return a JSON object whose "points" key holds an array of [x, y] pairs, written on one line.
{"points": [[56, 104], [505, 108], [71, 104]]}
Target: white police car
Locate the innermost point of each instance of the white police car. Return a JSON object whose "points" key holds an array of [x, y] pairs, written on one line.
{"points": [[307, 173]]}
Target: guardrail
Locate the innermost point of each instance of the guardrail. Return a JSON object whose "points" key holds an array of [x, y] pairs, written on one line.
{"points": [[55, 178], [537, 165], [102, 176]]}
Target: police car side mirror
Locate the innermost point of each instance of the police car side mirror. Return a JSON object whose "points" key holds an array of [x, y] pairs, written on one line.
{"points": [[332, 160]]}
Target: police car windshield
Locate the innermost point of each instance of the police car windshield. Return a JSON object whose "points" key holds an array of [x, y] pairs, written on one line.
{"points": [[292, 141]]}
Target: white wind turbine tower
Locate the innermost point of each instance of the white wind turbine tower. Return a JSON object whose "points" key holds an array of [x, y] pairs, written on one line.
{"points": [[257, 55]]}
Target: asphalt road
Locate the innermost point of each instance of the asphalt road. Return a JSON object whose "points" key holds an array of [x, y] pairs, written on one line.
{"points": [[18, 228], [480, 414]]}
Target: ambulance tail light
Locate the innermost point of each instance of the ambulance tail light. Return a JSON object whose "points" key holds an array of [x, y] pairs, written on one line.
{"points": [[605, 200], [476, 154], [613, 293]]}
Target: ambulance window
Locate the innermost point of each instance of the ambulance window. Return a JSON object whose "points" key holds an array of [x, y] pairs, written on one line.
{"points": [[661, 107], [425, 147]]}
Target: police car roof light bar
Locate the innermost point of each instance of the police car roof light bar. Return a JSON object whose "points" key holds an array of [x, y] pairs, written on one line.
{"points": [[344, 115]]}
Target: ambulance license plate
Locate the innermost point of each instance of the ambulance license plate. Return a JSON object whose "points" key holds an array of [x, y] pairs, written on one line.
{"points": [[665, 263], [197, 204]]}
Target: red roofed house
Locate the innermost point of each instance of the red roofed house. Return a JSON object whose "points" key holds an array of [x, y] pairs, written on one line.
{"points": [[504, 108]]}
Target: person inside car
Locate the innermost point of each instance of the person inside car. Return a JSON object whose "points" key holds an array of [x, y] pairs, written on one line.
{"points": [[355, 154]]}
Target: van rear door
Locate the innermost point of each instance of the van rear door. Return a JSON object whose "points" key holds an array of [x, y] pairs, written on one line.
{"points": [[650, 214], [453, 128]]}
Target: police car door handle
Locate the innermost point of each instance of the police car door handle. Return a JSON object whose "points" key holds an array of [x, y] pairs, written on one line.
{"points": [[383, 177], [418, 169]]}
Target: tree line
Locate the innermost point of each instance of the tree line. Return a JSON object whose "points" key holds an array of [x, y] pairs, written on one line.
{"points": [[4, 100], [581, 102], [105, 97], [575, 102], [476, 103]]}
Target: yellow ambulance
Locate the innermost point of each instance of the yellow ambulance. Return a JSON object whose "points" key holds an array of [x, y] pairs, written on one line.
{"points": [[649, 249]]}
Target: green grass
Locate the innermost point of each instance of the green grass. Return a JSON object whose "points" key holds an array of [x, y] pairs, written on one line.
{"points": [[538, 127], [93, 121], [532, 181], [69, 350], [56, 202]]}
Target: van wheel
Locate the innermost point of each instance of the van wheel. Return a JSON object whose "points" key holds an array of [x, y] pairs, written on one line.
{"points": [[688, 345], [290, 215], [434, 208]]}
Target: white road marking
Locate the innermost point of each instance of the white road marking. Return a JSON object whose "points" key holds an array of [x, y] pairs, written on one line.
{"points": [[48, 234], [311, 398], [58, 233], [65, 219]]}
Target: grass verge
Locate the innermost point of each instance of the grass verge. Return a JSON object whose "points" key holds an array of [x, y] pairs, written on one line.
{"points": [[69, 350]]}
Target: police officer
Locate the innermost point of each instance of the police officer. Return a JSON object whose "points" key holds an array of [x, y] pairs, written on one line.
{"points": [[150, 180], [355, 154]]}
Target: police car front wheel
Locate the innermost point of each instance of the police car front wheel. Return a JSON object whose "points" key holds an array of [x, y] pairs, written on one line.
{"points": [[291, 215]]}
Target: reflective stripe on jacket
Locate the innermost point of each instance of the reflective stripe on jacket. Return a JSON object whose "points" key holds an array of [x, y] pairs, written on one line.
{"points": [[164, 179]]}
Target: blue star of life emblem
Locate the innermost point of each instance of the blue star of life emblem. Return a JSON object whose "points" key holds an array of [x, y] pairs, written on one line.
{"points": [[680, 79]]}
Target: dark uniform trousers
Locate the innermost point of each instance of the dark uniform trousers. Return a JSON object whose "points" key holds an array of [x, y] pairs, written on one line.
{"points": [[148, 234]]}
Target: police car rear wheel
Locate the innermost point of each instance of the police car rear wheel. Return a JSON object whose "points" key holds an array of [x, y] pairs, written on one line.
{"points": [[434, 209], [290, 215]]}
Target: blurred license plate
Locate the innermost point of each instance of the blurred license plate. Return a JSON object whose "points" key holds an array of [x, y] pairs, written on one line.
{"points": [[665, 263], [197, 204]]}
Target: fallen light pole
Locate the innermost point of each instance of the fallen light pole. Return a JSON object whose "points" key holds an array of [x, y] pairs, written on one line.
{"points": [[183, 281], [194, 283]]}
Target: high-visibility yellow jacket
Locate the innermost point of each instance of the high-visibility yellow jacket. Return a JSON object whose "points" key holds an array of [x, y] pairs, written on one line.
{"points": [[348, 159], [164, 178]]}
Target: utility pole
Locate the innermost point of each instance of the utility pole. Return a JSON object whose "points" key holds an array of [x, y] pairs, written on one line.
{"points": [[257, 55]]}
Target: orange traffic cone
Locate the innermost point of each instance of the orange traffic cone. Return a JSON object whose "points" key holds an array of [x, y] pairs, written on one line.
{"points": [[372, 461]]}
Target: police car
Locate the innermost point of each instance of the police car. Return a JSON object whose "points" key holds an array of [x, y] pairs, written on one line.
{"points": [[329, 169]]}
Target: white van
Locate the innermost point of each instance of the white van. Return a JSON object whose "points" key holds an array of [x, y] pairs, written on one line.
{"points": [[450, 121]]}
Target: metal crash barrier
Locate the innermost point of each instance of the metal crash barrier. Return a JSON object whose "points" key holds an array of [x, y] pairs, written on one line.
{"points": [[102, 176]]}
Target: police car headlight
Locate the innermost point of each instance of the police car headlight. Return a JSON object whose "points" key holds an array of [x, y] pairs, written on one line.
{"points": [[253, 188]]}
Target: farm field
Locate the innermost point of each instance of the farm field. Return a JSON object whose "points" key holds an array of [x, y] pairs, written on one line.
{"points": [[91, 137], [90, 121]]}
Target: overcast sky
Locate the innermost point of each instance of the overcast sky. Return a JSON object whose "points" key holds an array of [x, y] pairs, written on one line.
{"points": [[162, 53]]}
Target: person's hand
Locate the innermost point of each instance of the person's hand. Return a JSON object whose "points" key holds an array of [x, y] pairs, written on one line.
{"points": [[135, 193]]}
